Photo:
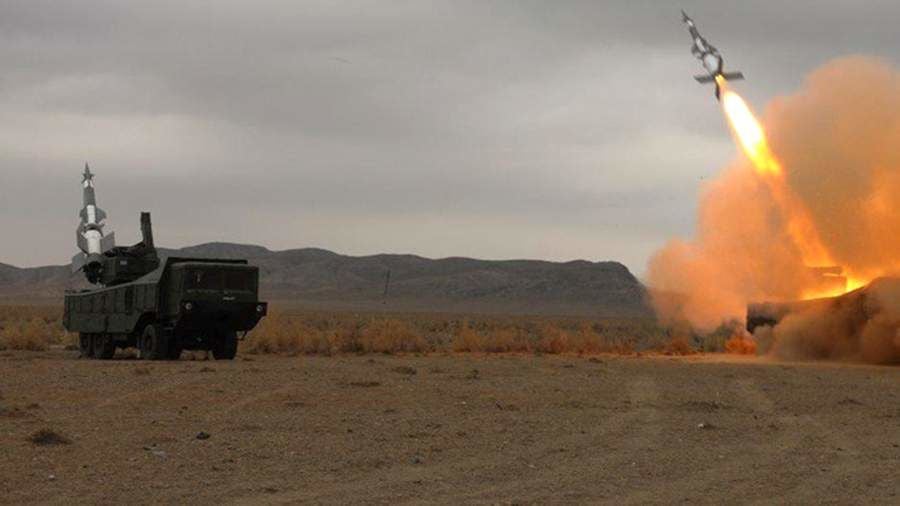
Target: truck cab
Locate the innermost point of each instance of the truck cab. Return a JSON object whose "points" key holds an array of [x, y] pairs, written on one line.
{"points": [[207, 302], [197, 287]]}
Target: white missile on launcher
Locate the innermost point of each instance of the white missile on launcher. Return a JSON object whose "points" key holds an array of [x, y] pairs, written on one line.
{"points": [[89, 234]]}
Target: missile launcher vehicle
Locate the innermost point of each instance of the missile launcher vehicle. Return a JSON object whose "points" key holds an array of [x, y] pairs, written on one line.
{"points": [[853, 309], [158, 307], [770, 314]]}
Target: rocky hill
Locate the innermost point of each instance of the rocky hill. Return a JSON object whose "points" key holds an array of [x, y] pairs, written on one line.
{"points": [[322, 279]]}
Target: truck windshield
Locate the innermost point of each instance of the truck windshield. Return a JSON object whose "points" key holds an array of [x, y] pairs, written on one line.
{"points": [[201, 279], [240, 280], [219, 279]]}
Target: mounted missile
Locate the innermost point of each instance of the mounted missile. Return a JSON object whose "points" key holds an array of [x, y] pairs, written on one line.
{"points": [[709, 57], [102, 261], [89, 234]]}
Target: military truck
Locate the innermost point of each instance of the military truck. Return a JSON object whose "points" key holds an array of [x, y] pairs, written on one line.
{"points": [[823, 279], [160, 308], [186, 303], [853, 309]]}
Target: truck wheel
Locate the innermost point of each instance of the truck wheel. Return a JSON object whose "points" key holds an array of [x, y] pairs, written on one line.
{"points": [[104, 346], [174, 350], [153, 343], [224, 345], [86, 345]]}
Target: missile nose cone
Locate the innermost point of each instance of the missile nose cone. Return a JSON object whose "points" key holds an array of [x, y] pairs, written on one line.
{"points": [[87, 173]]}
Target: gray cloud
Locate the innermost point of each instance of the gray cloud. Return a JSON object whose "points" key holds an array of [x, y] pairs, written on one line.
{"points": [[495, 129]]}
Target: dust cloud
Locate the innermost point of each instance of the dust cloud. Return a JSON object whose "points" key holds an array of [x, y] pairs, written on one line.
{"points": [[862, 325]]}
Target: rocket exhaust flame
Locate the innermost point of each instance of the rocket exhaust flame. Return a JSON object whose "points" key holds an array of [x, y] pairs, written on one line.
{"points": [[748, 131], [751, 136]]}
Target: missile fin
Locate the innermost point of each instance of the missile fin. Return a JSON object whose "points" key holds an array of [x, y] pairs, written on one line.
{"points": [[80, 240], [108, 242], [732, 76], [78, 262]]}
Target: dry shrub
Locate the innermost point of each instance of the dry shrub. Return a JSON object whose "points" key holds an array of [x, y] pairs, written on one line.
{"points": [[287, 331], [32, 328], [277, 333], [29, 335], [586, 340], [468, 339], [542, 337], [286, 334], [47, 437], [505, 340], [388, 335], [365, 384], [679, 345], [552, 339], [681, 333], [740, 345], [494, 340], [342, 339], [620, 349]]}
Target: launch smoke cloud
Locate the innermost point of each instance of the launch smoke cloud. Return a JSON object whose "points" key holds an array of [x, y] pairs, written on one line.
{"points": [[836, 140]]}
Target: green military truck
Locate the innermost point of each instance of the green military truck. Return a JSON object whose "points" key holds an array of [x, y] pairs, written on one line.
{"points": [[158, 308], [184, 304]]}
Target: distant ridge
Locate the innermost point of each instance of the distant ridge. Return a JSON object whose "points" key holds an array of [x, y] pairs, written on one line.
{"points": [[322, 279]]}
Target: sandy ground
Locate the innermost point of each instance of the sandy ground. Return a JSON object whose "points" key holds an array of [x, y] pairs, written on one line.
{"points": [[447, 429]]}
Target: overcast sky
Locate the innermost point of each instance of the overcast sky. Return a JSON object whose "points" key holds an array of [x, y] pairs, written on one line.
{"points": [[515, 129]]}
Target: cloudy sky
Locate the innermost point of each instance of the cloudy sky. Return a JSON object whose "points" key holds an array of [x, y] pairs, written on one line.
{"points": [[494, 129]]}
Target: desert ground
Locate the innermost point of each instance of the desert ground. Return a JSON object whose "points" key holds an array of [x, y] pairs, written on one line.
{"points": [[446, 428]]}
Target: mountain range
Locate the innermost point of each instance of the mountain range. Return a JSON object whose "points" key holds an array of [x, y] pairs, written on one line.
{"points": [[322, 279]]}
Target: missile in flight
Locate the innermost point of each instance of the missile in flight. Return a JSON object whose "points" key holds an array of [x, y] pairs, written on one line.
{"points": [[709, 57]]}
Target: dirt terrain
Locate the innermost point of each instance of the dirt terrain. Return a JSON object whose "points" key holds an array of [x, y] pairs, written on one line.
{"points": [[446, 429]]}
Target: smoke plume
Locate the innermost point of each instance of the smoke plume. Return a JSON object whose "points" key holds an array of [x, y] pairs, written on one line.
{"points": [[837, 139]]}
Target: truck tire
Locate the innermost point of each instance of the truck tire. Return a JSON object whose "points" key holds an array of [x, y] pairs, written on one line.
{"points": [[174, 350], [104, 346], [86, 345], [153, 343], [224, 345]]}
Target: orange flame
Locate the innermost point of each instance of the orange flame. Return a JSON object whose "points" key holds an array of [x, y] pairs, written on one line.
{"points": [[750, 134]]}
